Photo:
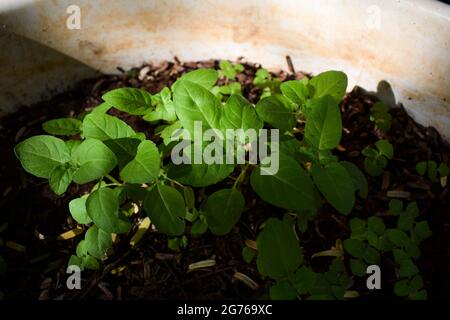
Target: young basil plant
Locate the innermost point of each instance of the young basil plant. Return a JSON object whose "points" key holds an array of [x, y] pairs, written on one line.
{"points": [[125, 168], [377, 159]]}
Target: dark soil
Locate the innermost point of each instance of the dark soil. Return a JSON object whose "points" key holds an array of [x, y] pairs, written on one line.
{"points": [[35, 216]]}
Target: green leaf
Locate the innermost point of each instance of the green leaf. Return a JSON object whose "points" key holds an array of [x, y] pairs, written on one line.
{"points": [[94, 160], [72, 145], [371, 256], [432, 170], [77, 208], [130, 100], [333, 182], [370, 152], [102, 108], [295, 90], [166, 131], [395, 206], [355, 247], [125, 149], [39, 155], [413, 210], [397, 237], [62, 127], [420, 295], [238, 113], [199, 227], [165, 108], [385, 148], [279, 252], [405, 221], [76, 261], [324, 125], [60, 179], [402, 288], [304, 279], [105, 127], [333, 83], [189, 197], [103, 209], [359, 180], [358, 267], [97, 242], [373, 239], [421, 231], [144, 168], [443, 170], [358, 227], [223, 209], [248, 254], [407, 268], [421, 167], [91, 263], [203, 77], [399, 255], [166, 208], [372, 168], [283, 290], [289, 188], [199, 175], [195, 103], [416, 283], [376, 225], [277, 111], [290, 146], [229, 70]]}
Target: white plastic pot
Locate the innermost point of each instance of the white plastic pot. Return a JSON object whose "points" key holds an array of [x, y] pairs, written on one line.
{"points": [[405, 42]]}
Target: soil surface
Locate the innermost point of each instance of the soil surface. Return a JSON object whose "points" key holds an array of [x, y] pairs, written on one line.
{"points": [[35, 216]]}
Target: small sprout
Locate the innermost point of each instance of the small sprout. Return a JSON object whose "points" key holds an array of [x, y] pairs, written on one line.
{"points": [[379, 114], [377, 159], [229, 70], [432, 170]]}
